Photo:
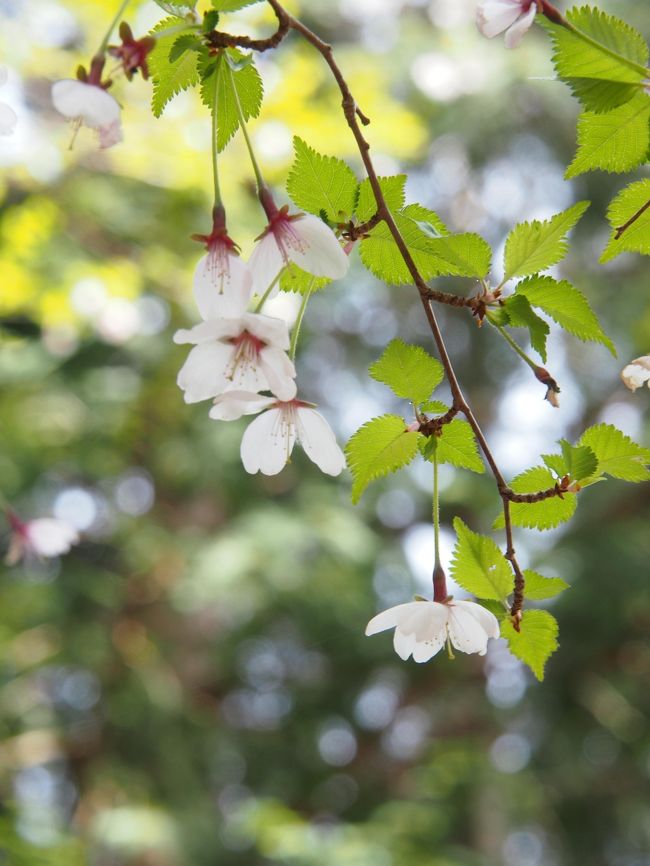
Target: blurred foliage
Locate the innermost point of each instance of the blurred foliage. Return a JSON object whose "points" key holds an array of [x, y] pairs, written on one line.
{"points": [[192, 685]]}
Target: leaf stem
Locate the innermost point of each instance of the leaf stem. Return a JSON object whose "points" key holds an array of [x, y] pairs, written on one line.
{"points": [[242, 123], [264, 297], [515, 346], [104, 43], [436, 512], [301, 315], [215, 150]]}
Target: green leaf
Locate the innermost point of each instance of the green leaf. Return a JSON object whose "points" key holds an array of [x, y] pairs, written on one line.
{"points": [[294, 279], [168, 77], [176, 7], [455, 445], [546, 514], [393, 191], [232, 5], [615, 141], [381, 256], [521, 315], [539, 587], [479, 566], [186, 42], [434, 407], [535, 642], [617, 454], [463, 255], [232, 76], [380, 447], [535, 246], [409, 371], [320, 183], [567, 306], [498, 608], [556, 464], [635, 238], [599, 95], [580, 461]]}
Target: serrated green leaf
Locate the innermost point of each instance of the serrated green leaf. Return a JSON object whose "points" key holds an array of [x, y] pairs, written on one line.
{"points": [[393, 191], [320, 183], [479, 566], [186, 42], [617, 454], [535, 246], [615, 141], [580, 461], [409, 371], [556, 464], [498, 608], [170, 78], [294, 279], [232, 5], [230, 77], [567, 306], [463, 255], [381, 256], [176, 7], [521, 315], [598, 95], [535, 642], [546, 514], [539, 587], [456, 445], [635, 238], [380, 447], [434, 407]]}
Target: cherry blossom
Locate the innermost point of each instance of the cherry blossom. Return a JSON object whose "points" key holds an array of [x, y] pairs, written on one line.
{"points": [[300, 238], [223, 283], [133, 53], [423, 627], [8, 117], [42, 537], [89, 105], [247, 354], [515, 17], [637, 373], [268, 441]]}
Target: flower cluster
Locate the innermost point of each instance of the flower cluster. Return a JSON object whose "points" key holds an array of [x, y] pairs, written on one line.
{"points": [[239, 356]]}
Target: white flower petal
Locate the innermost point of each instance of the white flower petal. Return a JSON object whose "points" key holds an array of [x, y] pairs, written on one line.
{"points": [[266, 262], [8, 119], [485, 618], [235, 404], [318, 441], [391, 617], [495, 16], [267, 443], [637, 373], [269, 329], [404, 644], [222, 288], [516, 33], [279, 372], [110, 134], [321, 254], [92, 104], [201, 376], [465, 631], [425, 650], [50, 537], [206, 332]]}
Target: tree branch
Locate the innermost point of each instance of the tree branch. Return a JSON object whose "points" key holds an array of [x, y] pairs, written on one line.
{"points": [[218, 39], [621, 229]]}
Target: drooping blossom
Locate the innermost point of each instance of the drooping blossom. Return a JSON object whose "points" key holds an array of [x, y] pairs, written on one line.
{"points": [[637, 373], [515, 17], [223, 283], [132, 53], [8, 117], [423, 627], [300, 238], [42, 537], [89, 105], [268, 441], [245, 354]]}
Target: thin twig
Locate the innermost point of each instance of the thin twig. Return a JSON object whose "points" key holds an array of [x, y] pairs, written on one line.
{"points": [[218, 39], [619, 231]]}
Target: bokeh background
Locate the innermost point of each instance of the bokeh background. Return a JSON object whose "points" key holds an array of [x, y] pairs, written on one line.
{"points": [[191, 685]]}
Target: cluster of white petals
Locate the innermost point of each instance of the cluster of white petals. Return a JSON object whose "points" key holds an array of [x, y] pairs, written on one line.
{"points": [[44, 537], [8, 117], [239, 358], [514, 17], [637, 373], [89, 105], [422, 628]]}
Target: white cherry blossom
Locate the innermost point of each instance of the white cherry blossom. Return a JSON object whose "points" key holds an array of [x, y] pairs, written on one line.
{"points": [[89, 105], [8, 117], [42, 537], [515, 17], [268, 441], [223, 282], [423, 627], [247, 354], [300, 238], [637, 373]]}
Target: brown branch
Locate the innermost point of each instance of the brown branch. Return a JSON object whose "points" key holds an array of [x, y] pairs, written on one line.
{"points": [[619, 231], [534, 497], [433, 426], [352, 116], [217, 39]]}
